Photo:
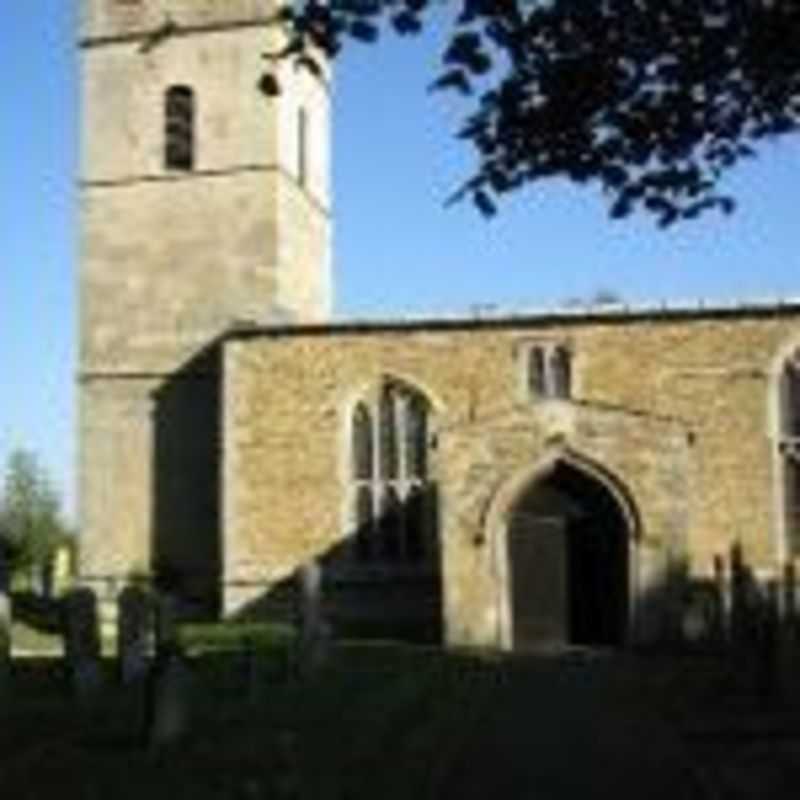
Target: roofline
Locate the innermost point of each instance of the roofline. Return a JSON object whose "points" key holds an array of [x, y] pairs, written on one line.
{"points": [[480, 320]]}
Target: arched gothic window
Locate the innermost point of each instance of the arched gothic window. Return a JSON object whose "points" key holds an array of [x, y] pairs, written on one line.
{"points": [[362, 443], [789, 448], [416, 435], [393, 496], [179, 113], [388, 411]]}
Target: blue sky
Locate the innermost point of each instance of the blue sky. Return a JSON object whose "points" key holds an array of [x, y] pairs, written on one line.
{"points": [[397, 249]]}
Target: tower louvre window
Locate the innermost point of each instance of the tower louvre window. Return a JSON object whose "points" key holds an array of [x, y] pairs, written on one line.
{"points": [[179, 119], [302, 146]]}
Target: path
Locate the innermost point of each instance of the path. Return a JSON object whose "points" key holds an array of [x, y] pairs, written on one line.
{"points": [[566, 727]]}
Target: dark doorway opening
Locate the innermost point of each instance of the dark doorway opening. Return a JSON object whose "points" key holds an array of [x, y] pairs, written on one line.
{"points": [[568, 544]]}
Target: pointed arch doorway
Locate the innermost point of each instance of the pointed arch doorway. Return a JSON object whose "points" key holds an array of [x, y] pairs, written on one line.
{"points": [[568, 544]]}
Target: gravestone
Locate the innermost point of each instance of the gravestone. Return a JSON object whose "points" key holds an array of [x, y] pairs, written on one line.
{"points": [[82, 642], [700, 612], [250, 670], [166, 621], [742, 599], [767, 677], [134, 620], [318, 648], [310, 596], [168, 698], [5, 620], [287, 774], [789, 600], [722, 588], [314, 639]]}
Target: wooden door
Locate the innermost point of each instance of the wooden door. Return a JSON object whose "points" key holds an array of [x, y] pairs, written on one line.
{"points": [[537, 553]]}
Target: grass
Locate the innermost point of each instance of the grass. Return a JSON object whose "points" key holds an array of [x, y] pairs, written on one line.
{"points": [[31, 640], [380, 721], [224, 636]]}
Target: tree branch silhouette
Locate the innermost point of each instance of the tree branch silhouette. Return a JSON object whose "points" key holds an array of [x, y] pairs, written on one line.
{"points": [[654, 101]]}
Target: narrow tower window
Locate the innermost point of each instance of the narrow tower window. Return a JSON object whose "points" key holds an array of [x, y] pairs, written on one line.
{"points": [[179, 128], [302, 146]]}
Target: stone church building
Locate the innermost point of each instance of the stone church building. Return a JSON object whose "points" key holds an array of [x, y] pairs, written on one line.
{"points": [[502, 482]]}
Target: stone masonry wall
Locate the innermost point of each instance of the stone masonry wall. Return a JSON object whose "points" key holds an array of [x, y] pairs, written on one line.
{"points": [[678, 411], [172, 258], [102, 18], [150, 478]]}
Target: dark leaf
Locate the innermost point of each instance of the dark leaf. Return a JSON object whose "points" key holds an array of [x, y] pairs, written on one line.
{"points": [[406, 23], [621, 207], [453, 79], [484, 203], [614, 175], [479, 63], [654, 100], [462, 48], [363, 31]]}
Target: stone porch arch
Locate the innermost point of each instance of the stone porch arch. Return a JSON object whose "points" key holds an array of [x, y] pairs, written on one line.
{"points": [[506, 499]]}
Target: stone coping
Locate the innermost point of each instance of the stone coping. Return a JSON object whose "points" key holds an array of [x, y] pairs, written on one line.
{"points": [[489, 317]]}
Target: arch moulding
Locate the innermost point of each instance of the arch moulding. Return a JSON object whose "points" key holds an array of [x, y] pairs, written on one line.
{"points": [[788, 351], [505, 499]]}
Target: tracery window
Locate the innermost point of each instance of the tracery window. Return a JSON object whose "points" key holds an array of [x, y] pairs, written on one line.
{"points": [[547, 371], [393, 496], [362, 443], [789, 448], [179, 114]]}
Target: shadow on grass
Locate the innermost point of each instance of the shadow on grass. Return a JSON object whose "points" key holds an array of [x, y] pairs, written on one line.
{"points": [[380, 720], [376, 722], [42, 614]]}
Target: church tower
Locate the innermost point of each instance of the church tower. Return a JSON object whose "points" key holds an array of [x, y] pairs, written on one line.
{"points": [[204, 202]]}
